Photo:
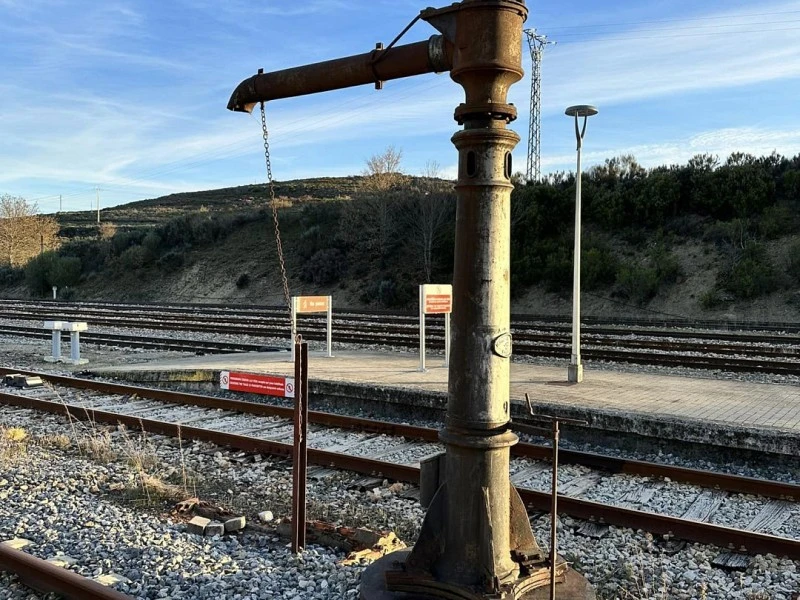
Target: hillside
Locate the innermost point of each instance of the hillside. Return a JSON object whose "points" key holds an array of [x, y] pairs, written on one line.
{"points": [[652, 246]]}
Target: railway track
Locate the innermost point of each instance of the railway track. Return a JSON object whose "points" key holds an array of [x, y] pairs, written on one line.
{"points": [[395, 451], [45, 577], [146, 341], [749, 354]]}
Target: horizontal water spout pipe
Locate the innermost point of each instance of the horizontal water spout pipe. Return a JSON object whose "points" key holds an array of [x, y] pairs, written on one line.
{"points": [[432, 56]]}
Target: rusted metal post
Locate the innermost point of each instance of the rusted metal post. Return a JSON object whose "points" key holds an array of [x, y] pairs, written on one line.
{"points": [[556, 434], [300, 454], [554, 514]]}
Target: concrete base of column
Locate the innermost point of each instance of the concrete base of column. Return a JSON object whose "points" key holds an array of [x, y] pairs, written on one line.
{"points": [[373, 583], [575, 373]]}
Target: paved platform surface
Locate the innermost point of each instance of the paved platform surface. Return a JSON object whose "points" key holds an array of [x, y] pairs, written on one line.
{"points": [[666, 402]]}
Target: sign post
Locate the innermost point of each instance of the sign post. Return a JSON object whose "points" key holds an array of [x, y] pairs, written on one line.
{"points": [[435, 299], [313, 304]]}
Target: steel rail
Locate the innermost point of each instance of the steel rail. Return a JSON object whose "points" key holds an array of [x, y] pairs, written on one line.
{"points": [[722, 328], [400, 323], [723, 481], [744, 365], [47, 578], [693, 531]]}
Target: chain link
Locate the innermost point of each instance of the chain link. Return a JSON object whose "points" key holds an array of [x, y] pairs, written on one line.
{"points": [[274, 205]]}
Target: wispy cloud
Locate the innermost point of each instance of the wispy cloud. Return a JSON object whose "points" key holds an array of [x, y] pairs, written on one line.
{"points": [[130, 95], [720, 142], [656, 60]]}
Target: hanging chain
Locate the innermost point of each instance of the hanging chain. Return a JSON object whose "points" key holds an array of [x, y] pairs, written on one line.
{"points": [[274, 205]]}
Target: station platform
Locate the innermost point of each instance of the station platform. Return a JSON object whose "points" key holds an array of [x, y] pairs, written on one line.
{"points": [[749, 416]]}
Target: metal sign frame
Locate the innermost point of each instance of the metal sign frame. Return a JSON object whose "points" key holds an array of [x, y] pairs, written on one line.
{"points": [[313, 304], [425, 291]]}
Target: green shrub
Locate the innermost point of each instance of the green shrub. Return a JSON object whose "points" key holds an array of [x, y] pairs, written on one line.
{"points": [[777, 221], [793, 261], [598, 267], [135, 258], [751, 274], [324, 267], [37, 271], [667, 267], [637, 283], [243, 281], [152, 241], [11, 275], [711, 299], [123, 240], [171, 261], [65, 271]]}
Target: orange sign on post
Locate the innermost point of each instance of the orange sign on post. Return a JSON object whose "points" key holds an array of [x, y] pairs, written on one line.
{"points": [[435, 300], [313, 304]]}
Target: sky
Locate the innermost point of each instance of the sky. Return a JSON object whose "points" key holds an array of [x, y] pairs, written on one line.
{"points": [[125, 99]]}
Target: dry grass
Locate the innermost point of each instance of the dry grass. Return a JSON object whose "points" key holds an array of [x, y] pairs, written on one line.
{"points": [[97, 445], [56, 440], [13, 444]]}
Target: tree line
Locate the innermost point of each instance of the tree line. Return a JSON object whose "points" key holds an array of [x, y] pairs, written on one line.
{"points": [[397, 232]]}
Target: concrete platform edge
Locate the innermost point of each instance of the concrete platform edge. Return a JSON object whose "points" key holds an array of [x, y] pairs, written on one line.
{"points": [[723, 434]]}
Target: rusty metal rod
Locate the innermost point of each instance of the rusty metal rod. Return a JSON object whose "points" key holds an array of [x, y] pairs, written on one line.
{"points": [[432, 56], [693, 531], [45, 577], [300, 448]]}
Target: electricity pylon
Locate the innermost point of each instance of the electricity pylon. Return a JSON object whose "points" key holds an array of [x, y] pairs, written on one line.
{"points": [[536, 43]]}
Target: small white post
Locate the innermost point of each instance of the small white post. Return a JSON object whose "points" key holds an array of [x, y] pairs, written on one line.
{"points": [[294, 324], [55, 326], [55, 290], [75, 342], [330, 327], [421, 329]]}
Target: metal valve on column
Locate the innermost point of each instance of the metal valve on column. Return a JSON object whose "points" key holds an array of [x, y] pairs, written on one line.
{"points": [[476, 541]]}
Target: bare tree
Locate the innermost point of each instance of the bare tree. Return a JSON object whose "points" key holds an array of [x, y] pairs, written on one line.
{"points": [[383, 170], [423, 218], [432, 169], [23, 232]]}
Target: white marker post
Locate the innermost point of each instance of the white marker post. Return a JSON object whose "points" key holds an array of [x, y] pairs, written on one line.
{"points": [[435, 299], [313, 304]]}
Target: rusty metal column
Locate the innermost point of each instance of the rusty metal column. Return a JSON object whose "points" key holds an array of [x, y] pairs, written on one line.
{"points": [[487, 61]]}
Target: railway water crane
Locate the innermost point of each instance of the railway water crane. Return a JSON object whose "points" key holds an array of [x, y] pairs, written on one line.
{"points": [[476, 541]]}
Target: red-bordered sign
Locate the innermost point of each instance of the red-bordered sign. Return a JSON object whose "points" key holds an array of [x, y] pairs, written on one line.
{"points": [[267, 385]]}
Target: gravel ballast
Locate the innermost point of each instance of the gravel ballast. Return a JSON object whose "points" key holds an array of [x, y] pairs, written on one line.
{"points": [[67, 501]]}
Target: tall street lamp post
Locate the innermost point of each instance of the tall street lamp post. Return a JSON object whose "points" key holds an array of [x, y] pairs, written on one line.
{"points": [[575, 369]]}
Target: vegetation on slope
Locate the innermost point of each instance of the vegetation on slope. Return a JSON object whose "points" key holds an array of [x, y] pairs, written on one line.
{"points": [[376, 238]]}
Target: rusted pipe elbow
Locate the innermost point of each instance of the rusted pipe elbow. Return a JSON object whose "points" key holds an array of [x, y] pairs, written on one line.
{"points": [[432, 56]]}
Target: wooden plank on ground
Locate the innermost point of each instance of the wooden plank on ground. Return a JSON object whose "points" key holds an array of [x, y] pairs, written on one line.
{"points": [[705, 505]]}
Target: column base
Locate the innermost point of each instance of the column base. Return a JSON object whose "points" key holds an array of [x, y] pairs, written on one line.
{"points": [[373, 584], [575, 373]]}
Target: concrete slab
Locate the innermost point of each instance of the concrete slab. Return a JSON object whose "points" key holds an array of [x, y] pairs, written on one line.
{"points": [[755, 416]]}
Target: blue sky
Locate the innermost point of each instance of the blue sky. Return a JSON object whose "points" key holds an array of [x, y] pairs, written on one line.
{"points": [[130, 95]]}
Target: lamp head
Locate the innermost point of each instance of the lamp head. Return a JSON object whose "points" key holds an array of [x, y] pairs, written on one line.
{"points": [[581, 110]]}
